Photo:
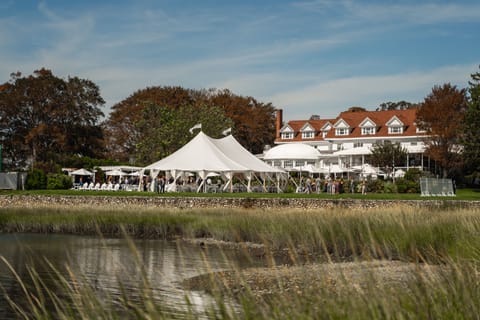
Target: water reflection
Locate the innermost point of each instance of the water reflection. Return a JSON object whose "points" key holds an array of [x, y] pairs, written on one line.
{"points": [[105, 261]]}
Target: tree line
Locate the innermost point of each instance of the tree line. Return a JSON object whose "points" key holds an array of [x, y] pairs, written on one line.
{"points": [[47, 122]]}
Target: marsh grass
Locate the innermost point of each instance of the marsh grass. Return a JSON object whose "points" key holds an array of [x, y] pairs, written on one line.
{"points": [[400, 233], [431, 260]]}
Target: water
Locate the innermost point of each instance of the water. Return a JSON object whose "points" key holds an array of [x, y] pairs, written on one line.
{"points": [[102, 262]]}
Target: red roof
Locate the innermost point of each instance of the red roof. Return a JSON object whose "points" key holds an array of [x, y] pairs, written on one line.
{"points": [[354, 119], [297, 125]]}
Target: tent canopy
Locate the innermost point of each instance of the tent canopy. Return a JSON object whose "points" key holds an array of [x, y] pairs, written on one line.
{"points": [[115, 173], [204, 155], [81, 172], [199, 154]]}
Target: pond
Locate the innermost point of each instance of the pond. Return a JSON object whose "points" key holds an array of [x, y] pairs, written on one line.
{"points": [[103, 262]]}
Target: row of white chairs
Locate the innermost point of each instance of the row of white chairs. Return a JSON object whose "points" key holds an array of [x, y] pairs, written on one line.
{"points": [[100, 187]]}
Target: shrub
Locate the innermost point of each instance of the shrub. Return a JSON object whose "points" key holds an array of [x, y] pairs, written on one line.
{"points": [[413, 174], [375, 185], [58, 181], [36, 180], [389, 187], [407, 186]]}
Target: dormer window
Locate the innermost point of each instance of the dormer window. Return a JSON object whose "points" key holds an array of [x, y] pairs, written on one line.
{"points": [[368, 130], [308, 131], [342, 128], [308, 135], [341, 131], [368, 127], [287, 133], [395, 130], [395, 125]]}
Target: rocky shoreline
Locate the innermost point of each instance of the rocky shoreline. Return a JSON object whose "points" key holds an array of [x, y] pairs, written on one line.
{"points": [[222, 202]]}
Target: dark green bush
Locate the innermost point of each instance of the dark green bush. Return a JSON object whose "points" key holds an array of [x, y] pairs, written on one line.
{"points": [[407, 186], [389, 187], [59, 181], [375, 185], [36, 180]]}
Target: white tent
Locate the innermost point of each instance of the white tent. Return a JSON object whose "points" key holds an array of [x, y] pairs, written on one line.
{"points": [[234, 150], [81, 172], [367, 170], [204, 155], [116, 173]]}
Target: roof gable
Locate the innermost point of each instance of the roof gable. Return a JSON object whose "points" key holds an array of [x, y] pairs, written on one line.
{"points": [[394, 122], [307, 127], [286, 128], [341, 124], [327, 126], [367, 123]]}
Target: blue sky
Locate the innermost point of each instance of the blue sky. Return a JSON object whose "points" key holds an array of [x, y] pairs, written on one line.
{"points": [[306, 57]]}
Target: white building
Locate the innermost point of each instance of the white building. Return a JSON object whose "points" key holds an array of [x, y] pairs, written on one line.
{"points": [[346, 141]]}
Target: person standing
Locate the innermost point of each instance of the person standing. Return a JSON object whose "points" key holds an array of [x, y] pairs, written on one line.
{"points": [[318, 184]]}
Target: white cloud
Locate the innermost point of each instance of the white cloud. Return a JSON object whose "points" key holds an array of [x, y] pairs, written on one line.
{"points": [[328, 98]]}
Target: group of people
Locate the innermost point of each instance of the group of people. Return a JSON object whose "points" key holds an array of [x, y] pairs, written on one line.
{"points": [[331, 186]]}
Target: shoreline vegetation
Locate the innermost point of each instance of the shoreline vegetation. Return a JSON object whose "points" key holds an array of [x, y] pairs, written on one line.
{"points": [[398, 261]]}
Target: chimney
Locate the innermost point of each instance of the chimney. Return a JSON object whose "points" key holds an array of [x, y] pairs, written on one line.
{"points": [[278, 123]]}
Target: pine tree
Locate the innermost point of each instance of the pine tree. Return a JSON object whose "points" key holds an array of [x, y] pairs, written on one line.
{"points": [[472, 126]]}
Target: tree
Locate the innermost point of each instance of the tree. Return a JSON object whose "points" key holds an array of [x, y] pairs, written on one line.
{"points": [[45, 118], [442, 114], [471, 129], [253, 121], [388, 155], [121, 131], [356, 109], [164, 130], [400, 105]]}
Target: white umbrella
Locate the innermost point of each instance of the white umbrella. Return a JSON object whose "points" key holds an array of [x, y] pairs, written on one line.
{"points": [[115, 173], [81, 172]]}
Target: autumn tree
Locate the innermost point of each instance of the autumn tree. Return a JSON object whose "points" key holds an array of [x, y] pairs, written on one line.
{"points": [[164, 130], [121, 130], [46, 118], [253, 121], [471, 139], [441, 115], [388, 155]]}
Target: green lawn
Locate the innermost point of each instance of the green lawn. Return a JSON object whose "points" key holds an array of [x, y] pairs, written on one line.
{"points": [[462, 194]]}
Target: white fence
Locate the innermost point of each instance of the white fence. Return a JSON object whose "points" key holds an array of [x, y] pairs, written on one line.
{"points": [[431, 187]]}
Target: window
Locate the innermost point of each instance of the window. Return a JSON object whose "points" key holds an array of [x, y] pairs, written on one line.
{"points": [[288, 164], [310, 162], [277, 163], [368, 130], [308, 135], [324, 134], [358, 144], [287, 135], [395, 130], [413, 143], [341, 131]]}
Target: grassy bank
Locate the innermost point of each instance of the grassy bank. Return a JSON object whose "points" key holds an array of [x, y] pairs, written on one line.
{"points": [[462, 194]]}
